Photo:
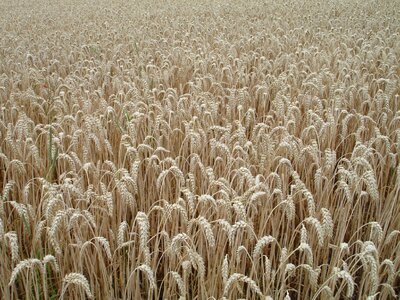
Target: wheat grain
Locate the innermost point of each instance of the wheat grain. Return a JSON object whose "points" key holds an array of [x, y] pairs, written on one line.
{"points": [[149, 273], [318, 229], [235, 227], [264, 241], [304, 247], [13, 244], [303, 235], [51, 259], [240, 277], [52, 232], [349, 281], [197, 262], [284, 255], [181, 285], [313, 274], [376, 231], [289, 269], [76, 279], [327, 223], [121, 232], [179, 238], [372, 186], [24, 264], [208, 231], [225, 269], [105, 244]]}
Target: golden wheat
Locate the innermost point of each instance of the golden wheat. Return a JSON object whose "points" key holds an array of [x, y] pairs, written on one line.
{"points": [[200, 150]]}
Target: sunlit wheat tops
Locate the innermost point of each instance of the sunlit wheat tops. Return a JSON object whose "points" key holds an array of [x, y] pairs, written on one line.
{"points": [[200, 150]]}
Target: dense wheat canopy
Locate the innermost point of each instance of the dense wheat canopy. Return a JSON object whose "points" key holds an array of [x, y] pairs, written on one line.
{"points": [[200, 149]]}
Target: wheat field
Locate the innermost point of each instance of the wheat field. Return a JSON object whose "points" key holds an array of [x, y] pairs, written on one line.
{"points": [[200, 150]]}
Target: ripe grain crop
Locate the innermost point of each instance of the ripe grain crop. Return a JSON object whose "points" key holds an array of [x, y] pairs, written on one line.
{"points": [[200, 149]]}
